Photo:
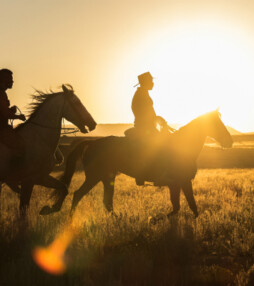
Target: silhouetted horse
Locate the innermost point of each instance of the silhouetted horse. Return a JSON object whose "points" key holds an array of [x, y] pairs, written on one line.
{"points": [[104, 158], [41, 133]]}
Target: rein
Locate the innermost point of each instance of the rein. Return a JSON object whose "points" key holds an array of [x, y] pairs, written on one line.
{"points": [[71, 129], [44, 126]]}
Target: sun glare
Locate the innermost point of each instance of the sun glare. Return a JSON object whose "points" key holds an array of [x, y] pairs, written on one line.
{"points": [[198, 68], [51, 259]]}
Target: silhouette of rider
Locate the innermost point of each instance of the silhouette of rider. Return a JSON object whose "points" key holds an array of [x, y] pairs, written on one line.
{"points": [[7, 134], [142, 106], [146, 119]]}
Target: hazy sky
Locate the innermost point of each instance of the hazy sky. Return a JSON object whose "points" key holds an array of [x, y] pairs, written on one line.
{"points": [[201, 54]]}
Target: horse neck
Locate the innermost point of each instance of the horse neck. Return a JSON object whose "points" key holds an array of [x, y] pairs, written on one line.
{"points": [[192, 139], [46, 121]]}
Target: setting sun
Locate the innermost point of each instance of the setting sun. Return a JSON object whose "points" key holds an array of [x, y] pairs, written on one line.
{"points": [[201, 67], [200, 53], [198, 67]]}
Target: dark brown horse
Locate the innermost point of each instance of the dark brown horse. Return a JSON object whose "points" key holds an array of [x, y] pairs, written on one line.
{"points": [[105, 157], [41, 133]]}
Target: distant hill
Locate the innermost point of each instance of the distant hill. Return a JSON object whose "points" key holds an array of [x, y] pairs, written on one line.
{"points": [[233, 131], [117, 129], [110, 129], [249, 133]]}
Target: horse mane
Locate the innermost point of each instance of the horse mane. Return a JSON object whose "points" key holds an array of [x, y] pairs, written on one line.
{"points": [[199, 118], [38, 98]]}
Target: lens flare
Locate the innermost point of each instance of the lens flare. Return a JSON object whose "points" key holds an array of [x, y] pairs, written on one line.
{"points": [[51, 259]]}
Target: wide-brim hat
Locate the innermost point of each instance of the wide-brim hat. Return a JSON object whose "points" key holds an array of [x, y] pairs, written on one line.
{"points": [[144, 77]]}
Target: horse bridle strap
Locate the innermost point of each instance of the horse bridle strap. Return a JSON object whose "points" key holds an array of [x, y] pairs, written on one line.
{"points": [[44, 126]]}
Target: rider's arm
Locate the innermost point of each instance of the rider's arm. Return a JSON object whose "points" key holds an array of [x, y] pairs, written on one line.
{"points": [[148, 108], [162, 122], [5, 111]]}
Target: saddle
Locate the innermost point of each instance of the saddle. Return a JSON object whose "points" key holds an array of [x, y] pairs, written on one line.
{"points": [[151, 154]]}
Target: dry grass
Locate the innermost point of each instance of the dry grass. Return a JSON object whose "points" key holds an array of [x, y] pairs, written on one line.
{"points": [[217, 248]]}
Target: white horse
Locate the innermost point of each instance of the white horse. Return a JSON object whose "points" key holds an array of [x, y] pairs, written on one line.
{"points": [[40, 135]]}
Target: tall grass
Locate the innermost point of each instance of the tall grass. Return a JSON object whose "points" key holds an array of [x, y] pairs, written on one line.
{"points": [[217, 248]]}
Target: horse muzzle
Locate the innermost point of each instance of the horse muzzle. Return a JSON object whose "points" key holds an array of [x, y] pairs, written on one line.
{"points": [[83, 129], [92, 126]]}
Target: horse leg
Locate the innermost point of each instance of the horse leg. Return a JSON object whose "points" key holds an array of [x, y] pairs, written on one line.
{"points": [[25, 196], [109, 192], [61, 192], [175, 199], [188, 192], [89, 183]]}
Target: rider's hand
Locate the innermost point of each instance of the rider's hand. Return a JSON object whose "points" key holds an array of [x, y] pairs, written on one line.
{"points": [[161, 121], [14, 109], [171, 129], [22, 117]]}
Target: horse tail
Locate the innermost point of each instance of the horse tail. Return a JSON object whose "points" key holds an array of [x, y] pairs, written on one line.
{"points": [[76, 152]]}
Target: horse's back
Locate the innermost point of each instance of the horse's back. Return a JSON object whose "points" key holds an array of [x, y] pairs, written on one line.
{"points": [[106, 147], [107, 154], [123, 154]]}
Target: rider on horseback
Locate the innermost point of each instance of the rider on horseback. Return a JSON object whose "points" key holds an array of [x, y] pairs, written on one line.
{"points": [[146, 120], [7, 134]]}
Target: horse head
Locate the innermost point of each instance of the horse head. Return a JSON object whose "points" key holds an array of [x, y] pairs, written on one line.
{"points": [[217, 130], [75, 112]]}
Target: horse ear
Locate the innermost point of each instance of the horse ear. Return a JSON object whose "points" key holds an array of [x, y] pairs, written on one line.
{"points": [[217, 110], [65, 89]]}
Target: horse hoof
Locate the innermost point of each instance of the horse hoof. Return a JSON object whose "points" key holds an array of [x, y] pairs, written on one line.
{"points": [[46, 210], [169, 215]]}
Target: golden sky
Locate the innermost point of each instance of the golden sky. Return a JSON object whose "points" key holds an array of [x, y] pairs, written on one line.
{"points": [[201, 54]]}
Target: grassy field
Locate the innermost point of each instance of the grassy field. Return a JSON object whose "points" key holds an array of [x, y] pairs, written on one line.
{"points": [[217, 248]]}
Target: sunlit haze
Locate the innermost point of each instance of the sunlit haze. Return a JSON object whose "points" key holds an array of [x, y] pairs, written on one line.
{"points": [[201, 54]]}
